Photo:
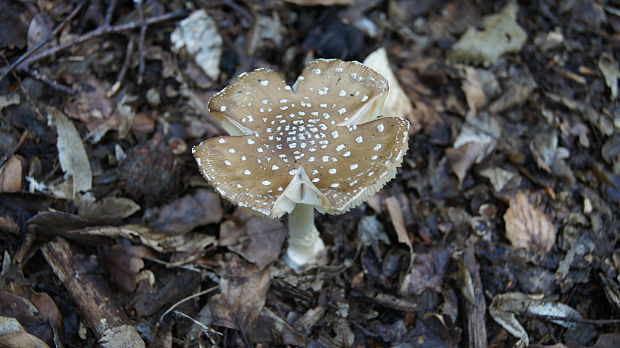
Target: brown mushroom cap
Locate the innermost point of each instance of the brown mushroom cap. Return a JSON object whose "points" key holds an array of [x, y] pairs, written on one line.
{"points": [[320, 142]]}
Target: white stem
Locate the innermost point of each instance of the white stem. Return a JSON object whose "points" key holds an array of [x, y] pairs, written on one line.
{"points": [[304, 243]]}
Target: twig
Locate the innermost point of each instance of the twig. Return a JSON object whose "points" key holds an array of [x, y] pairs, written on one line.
{"points": [[198, 294], [100, 32], [123, 71], [141, 41], [40, 44], [595, 322], [53, 84], [108, 13], [203, 326]]}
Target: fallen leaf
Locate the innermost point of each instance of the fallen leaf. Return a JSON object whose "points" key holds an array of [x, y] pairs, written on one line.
{"points": [[528, 227], [500, 177], [397, 104], [13, 335], [267, 33], [398, 221], [122, 336], [475, 142], [500, 34], [550, 157], [258, 239], [517, 90], [11, 174], [14, 19], [124, 263], [71, 153], [243, 291], [199, 36], [188, 212], [611, 73], [479, 86], [108, 208], [505, 306], [427, 272]]}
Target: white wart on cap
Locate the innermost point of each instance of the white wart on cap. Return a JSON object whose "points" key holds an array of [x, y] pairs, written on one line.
{"points": [[319, 143]]}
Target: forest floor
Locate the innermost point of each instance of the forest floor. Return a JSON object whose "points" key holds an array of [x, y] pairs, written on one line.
{"points": [[500, 229]]}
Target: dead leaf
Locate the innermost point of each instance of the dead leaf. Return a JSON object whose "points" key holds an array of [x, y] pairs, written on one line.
{"points": [[500, 34], [13, 335], [14, 19], [186, 213], [475, 142], [258, 239], [500, 177], [108, 208], [122, 336], [505, 306], [528, 227], [71, 153], [550, 157], [397, 104], [517, 90], [199, 36], [396, 214], [243, 291], [479, 86], [124, 262], [427, 272], [611, 73], [11, 174]]}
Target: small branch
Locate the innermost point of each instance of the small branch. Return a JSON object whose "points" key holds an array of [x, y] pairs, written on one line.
{"points": [[100, 32], [40, 44], [595, 322], [141, 41], [108, 13], [50, 83], [121, 74]]}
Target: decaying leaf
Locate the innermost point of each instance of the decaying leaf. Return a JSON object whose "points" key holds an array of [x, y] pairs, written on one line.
{"points": [[500, 34], [184, 214], [11, 174], [13, 335], [427, 272], [71, 153], [476, 141], [505, 306], [106, 208], [611, 72], [396, 214], [124, 262], [479, 86], [397, 104], [258, 239], [528, 227], [243, 292], [199, 36], [550, 157], [500, 177]]}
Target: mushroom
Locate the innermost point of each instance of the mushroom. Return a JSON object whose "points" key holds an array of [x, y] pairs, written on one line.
{"points": [[321, 144]]}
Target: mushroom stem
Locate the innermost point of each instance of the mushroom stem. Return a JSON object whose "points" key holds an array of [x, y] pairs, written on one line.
{"points": [[304, 243]]}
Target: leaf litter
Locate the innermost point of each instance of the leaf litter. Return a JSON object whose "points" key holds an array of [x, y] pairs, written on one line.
{"points": [[509, 192]]}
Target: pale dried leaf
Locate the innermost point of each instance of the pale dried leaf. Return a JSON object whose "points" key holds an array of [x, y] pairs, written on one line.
{"points": [[71, 153], [13, 335], [528, 227], [184, 214], [550, 156], [500, 34], [499, 177], [243, 293], [397, 104], [611, 72], [106, 208], [479, 86], [124, 336], [396, 214], [11, 175], [505, 306], [199, 36]]}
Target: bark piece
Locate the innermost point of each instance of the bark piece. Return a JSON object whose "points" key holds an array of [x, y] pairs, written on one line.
{"points": [[92, 296]]}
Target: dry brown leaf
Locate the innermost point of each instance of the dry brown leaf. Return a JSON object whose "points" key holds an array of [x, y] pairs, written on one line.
{"points": [[528, 227], [13, 335], [396, 214], [397, 104], [11, 175], [243, 292], [71, 153], [106, 208], [124, 262], [479, 86], [258, 239], [500, 177], [184, 214]]}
